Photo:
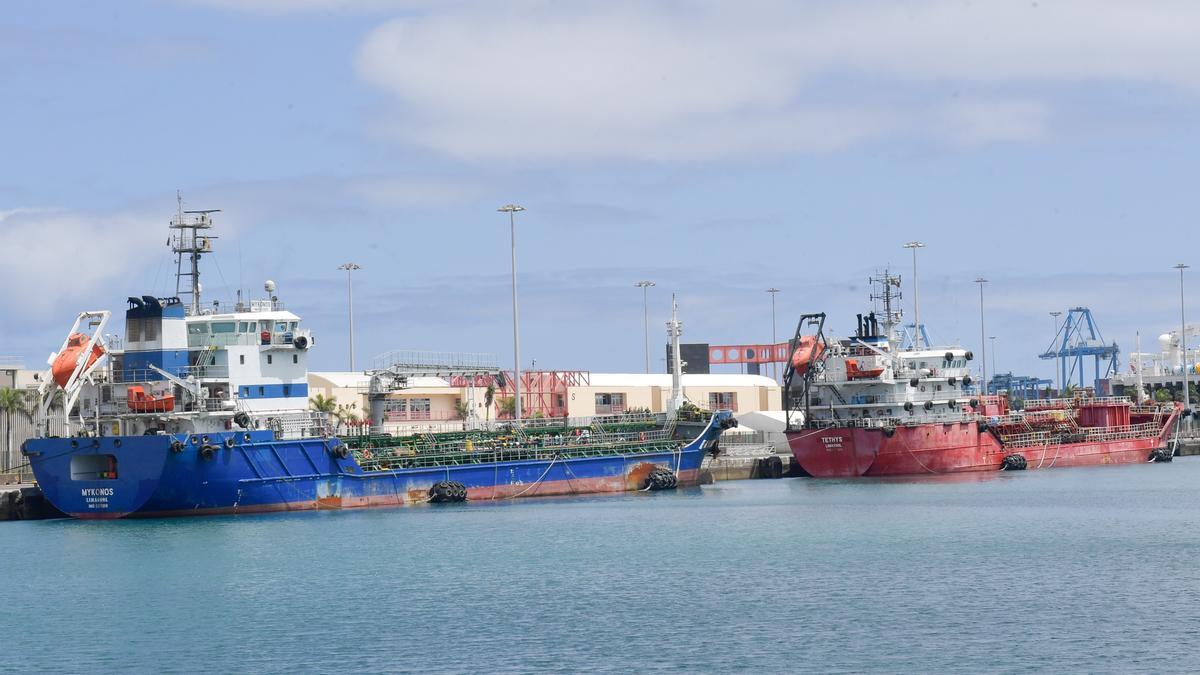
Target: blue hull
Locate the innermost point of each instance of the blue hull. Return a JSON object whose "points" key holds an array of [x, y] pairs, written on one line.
{"points": [[235, 472]]}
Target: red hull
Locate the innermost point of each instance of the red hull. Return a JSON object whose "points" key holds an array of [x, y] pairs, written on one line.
{"points": [[947, 448]]}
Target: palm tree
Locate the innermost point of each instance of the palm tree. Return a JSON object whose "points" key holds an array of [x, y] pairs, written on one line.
{"points": [[323, 403], [508, 406], [489, 397], [11, 401], [461, 409], [345, 413]]}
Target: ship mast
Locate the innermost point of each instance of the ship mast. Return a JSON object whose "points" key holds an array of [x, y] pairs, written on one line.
{"points": [[188, 240], [889, 293], [674, 330]]}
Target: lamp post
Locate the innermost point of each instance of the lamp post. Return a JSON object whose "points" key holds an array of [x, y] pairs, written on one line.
{"points": [[645, 285], [774, 364], [1057, 380], [511, 210], [992, 339], [1187, 397], [350, 267], [914, 245], [983, 361]]}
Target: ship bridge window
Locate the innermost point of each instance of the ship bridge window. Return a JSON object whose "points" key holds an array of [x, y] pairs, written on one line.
{"points": [[293, 325], [243, 327], [93, 467], [223, 327], [198, 328], [280, 326]]}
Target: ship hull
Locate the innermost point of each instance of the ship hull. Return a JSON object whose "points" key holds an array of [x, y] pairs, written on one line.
{"points": [[948, 448], [253, 473]]}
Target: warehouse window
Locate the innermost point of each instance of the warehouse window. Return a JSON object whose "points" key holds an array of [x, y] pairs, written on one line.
{"points": [[722, 400], [610, 404]]}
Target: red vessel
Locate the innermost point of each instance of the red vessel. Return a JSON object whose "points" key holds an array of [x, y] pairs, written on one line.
{"points": [[1081, 432], [878, 404]]}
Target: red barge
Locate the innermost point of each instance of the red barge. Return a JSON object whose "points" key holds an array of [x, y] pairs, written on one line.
{"points": [[868, 406]]}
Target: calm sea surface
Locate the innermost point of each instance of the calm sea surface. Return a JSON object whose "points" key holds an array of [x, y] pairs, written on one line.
{"points": [[1079, 570]]}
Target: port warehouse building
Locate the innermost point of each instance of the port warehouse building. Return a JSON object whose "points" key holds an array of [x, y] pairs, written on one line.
{"points": [[432, 403]]}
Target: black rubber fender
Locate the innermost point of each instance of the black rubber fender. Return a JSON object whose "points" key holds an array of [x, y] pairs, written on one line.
{"points": [[447, 492], [660, 478], [1014, 462], [1161, 455]]}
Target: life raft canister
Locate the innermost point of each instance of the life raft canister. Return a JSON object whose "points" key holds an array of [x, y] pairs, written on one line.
{"points": [[808, 350], [64, 363]]}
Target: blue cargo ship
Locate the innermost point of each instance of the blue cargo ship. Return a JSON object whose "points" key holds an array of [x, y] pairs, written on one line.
{"points": [[203, 409]]}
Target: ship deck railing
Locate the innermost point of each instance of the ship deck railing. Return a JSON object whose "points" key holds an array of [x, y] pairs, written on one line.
{"points": [[389, 459], [858, 400], [1074, 402], [892, 422], [146, 375], [1084, 435]]}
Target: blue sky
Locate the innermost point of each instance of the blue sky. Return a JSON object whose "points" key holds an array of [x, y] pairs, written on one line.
{"points": [[715, 148]]}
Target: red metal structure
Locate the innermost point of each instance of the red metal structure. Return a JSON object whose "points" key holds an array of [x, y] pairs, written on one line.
{"points": [[542, 391], [720, 354]]}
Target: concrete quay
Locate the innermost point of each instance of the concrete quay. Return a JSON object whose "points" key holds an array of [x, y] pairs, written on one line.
{"points": [[24, 501]]}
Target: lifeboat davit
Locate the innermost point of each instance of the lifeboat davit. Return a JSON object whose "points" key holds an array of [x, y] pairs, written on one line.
{"points": [[140, 402], [808, 351], [64, 363]]}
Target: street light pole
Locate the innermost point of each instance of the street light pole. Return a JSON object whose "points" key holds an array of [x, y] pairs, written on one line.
{"points": [[992, 339], [511, 210], [1187, 397], [1057, 374], [774, 364], [914, 245], [350, 267], [983, 361], [644, 285]]}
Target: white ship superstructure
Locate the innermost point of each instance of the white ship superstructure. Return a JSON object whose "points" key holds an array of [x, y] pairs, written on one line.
{"points": [[184, 367], [869, 380]]}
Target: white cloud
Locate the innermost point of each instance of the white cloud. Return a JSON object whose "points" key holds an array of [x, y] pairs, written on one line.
{"points": [[987, 121], [301, 6], [56, 258], [701, 80]]}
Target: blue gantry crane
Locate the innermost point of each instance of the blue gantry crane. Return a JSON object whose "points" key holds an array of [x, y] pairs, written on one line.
{"points": [[1078, 338]]}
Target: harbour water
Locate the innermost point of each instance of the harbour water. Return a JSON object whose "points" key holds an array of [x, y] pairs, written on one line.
{"points": [[1089, 569]]}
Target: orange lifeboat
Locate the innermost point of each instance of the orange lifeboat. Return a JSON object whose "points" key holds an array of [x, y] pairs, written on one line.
{"points": [[853, 372], [64, 363], [808, 351], [140, 402]]}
